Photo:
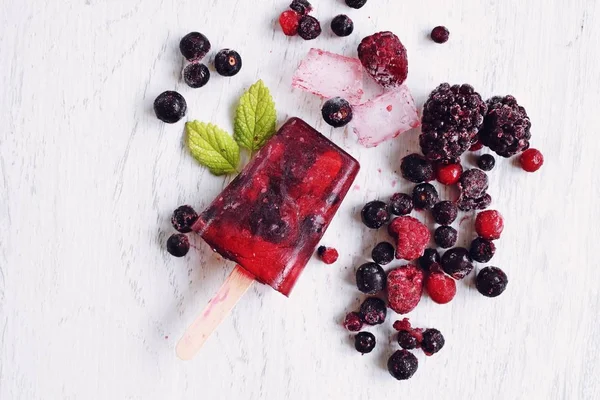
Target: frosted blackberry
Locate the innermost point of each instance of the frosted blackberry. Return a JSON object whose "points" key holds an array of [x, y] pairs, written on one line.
{"points": [[506, 128]]}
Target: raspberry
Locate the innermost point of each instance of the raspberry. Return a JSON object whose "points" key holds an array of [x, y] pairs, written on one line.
{"points": [[337, 112], [482, 250], [309, 27], [183, 218], [364, 342], [370, 278], [411, 236], [486, 162], [401, 204], [353, 322], [433, 341], [402, 365], [457, 263], [491, 281], [473, 183], [445, 236], [328, 255], [440, 34], [444, 212], [489, 224], [429, 258], [384, 57], [289, 21], [373, 311], [425, 196], [383, 253], [506, 128], [416, 168], [301, 6], [468, 204], [441, 287], [448, 174], [405, 287], [531, 160]]}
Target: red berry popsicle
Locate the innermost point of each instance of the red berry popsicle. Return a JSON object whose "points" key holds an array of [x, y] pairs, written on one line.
{"points": [[271, 217]]}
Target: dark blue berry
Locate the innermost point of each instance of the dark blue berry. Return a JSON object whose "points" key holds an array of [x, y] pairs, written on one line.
{"points": [[406, 340], [482, 250], [432, 342], [445, 212], [402, 364], [301, 6], [401, 204], [178, 245], [429, 257], [486, 162], [468, 204], [228, 62], [342, 25], [364, 342], [440, 34], [425, 196], [375, 214], [356, 3], [196, 75], [370, 278], [491, 281], [456, 262], [170, 107], [373, 311], [416, 168], [337, 112], [309, 27], [383, 253], [194, 46], [183, 218], [445, 236]]}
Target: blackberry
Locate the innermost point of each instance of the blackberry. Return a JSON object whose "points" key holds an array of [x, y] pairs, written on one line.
{"points": [[432, 342], [373, 311], [506, 129], [473, 183], [228, 62], [482, 250], [401, 204], [356, 3], [406, 340], [468, 204], [309, 28], [194, 46], [342, 25], [364, 342], [486, 162], [370, 278], [430, 256], [384, 57], [183, 218], [375, 214], [445, 212], [491, 281], [456, 262], [170, 107], [402, 364], [445, 236], [451, 119], [178, 245], [337, 112], [416, 168], [440, 34], [425, 196], [383, 253], [196, 75], [301, 6]]}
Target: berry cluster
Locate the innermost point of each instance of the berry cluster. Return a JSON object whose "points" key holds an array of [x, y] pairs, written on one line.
{"points": [[298, 21], [182, 220]]}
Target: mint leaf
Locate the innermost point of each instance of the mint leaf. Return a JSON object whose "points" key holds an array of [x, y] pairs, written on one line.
{"points": [[255, 117], [212, 147]]}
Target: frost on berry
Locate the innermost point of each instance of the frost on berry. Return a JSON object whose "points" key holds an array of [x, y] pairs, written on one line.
{"points": [[405, 287]]}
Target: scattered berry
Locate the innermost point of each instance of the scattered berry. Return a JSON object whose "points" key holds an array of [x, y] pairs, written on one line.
{"points": [[375, 214], [384, 58], [445, 236], [406, 340], [337, 112], [383, 253], [531, 160], [328, 255], [445, 212], [289, 21], [353, 322], [468, 204], [178, 245], [473, 183], [476, 146], [489, 224], [416, 168], [425, 196], [196, 75], [228, 62], [486, 162], [405, 287], [402, 364], [309, 28], [183, 218], [441, 287], [506, 128], [170, 107], [491, 281], [402, 325], [342, 25], [370, 278], [448, 174], [401, 204], [430, 256], [482, 250], [411, 237], [194, 46], [457, 263], [356, 3], [364, 342], [301, 6], [440, 34], [373, 311], [433, 341]]}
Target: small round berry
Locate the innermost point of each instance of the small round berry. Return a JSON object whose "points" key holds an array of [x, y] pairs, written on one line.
{"points": [[486, 162], [425, 196], [337, 112], [194, 46], [301, 6], [491, 281], [309, 28], [402, 364], [401, 204], [183, 218], [289, 21], [342, 25], [430, 256], [489, 224], [178, 245], [228, 62], [473, 183], [196, 75], [353, 322], [445, 236], [356, 3], [328, 255], [457, 263], [476, 146], [440, 34], [445, 212], [482, 250], [406, 340], [416, 168], [170, 107], [433, 341], [448, 174], [441, 287], [370, 278], [373, 311], [375, 214], [468, 204], [364, 342], [531, 160], [383, 253]]}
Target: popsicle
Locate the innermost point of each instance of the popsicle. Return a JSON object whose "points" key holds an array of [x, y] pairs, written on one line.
{"points": [[271, 217]]}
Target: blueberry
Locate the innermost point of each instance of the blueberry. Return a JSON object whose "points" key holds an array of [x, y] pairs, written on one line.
{"points": [[383, 253], [364, 342], [194, 46], [425, 196], [342, 25], [228, 62], [373, 311], [486, 162], [402, 364], [337, 112], [406, 340], [370, 278], [482, 250], [170, 107], [375, 214], [356, 3], [430, 256], [309, 27], [196, 75], [183, 218], [440, 34], [432, 342], [491, 281], [457, 263], [445, 212], [178, 245], [301, 6], [416, 168], [445, 236]]}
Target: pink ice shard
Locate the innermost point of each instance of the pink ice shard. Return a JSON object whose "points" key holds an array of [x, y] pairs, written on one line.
{"points": [[329, 75], [385, 117]]}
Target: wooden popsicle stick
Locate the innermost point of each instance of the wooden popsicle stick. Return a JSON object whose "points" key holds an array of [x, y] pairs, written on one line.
{"points": [[238, 282]]}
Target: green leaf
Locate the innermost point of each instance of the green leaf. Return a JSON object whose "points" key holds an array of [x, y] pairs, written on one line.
{"points": [[255, 117], [212, 147]]}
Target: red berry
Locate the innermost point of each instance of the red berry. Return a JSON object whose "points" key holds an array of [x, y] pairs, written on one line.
{"points": [[476, 146], [403, 325], [353, 322], [489, 224], [531, 160], [440, 34], [328, 255], [405, 287], [289, 21], [448, 174], [441, 287], [411, 235]]}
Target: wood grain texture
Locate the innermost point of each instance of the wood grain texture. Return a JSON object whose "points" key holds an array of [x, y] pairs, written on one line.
{"points": [[91, 305]]}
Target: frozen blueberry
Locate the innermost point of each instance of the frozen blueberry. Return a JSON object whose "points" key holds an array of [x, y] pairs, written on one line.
{"points": [[370, 278], [486, 162], [183, 218], [430, 256], [482, 250], [170, 107], [178, 245], [445, 236], [301, 6], [416, 168], [491, 281], [309, 27], [406, 340], [364, 342], [425, 196], [383, 253], [228, 62], [342, 25], [432, 342], [401, 204], [196, 75], [444, 212], [194, 46], [402, 364], [337, 112], [375, 214], [456, 262], [356, 3], [373, 311]]}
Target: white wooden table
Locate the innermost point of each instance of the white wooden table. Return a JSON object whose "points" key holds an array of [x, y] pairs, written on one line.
{"points": [[91, 305]]}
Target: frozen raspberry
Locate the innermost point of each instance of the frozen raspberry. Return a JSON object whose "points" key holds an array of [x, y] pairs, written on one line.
{"points": [[440, 34], [178, 245], [486, 162], [491, 281], [364, 342], [473, 183], [425, 196], [456, 262], [356, 3], [433, 341], [183, 218], [383, 253], [531, 160], [416, 168], [370, 278], [402, 365], [405, 287], [402, 325], [411, 236], [451, 119], [429, 257], [401, 204], [482, 250], [441, 287], [445, 236], [444, 212], [375, 214], [384, 57], [506, 128], [489, 224], [468, 204], [406, 340], [337, 112], [353, 322], [342, 25], [373, 311], [309, 27], [328, 255], [448, 174], [289, 21], [476, 146], [301, 6]]}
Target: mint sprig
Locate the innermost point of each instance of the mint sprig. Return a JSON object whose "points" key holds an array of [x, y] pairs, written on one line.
{"points": [[212, 147], [255, 117]]}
